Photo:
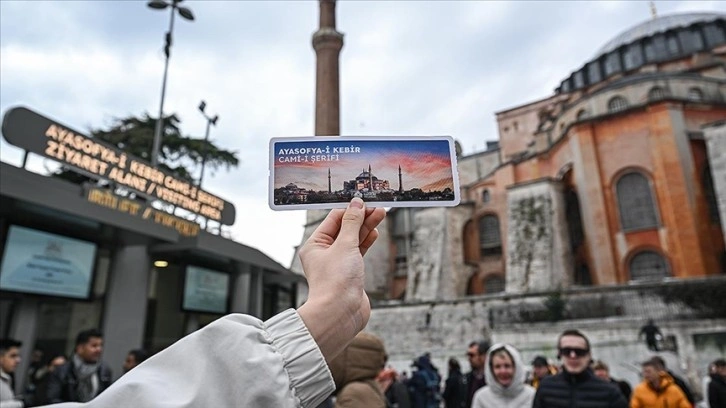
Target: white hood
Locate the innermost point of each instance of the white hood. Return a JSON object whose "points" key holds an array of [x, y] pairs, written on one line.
{"points": [[517, 381]]}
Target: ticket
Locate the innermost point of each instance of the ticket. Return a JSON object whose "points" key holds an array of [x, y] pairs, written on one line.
{"points": [[324, 172]]}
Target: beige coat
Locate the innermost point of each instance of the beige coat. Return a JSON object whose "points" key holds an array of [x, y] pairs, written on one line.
{"points": [[355, 371]]}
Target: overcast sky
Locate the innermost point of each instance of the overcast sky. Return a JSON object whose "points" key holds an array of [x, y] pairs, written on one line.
{"points": [[407, 68]]}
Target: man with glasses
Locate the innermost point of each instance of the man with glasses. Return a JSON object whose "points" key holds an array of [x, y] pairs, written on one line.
{"points": [[576, 384], [477, 354]]}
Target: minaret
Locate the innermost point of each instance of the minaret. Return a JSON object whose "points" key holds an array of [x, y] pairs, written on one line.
{"points": [[330, 190], [400, 183], [327, 42], [370, 178]]}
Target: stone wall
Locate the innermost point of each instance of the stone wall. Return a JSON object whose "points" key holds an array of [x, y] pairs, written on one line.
{"points": [[475, 167], [538, 254], [716, 141], [692, 311]]}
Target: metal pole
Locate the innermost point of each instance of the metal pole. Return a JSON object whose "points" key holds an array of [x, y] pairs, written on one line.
{"points": [[204, 152], [159, 123]]}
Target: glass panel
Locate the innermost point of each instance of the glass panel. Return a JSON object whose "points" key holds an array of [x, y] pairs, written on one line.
{"points": [[695, 94], [672, 43], [593, 72], [485, 197], [637, 209], [659, 44], [489, 231], [648, 265], [493, 284], [649, 49], [633, 56], [714, 35], [612, 63], [579, 79], [617, 104], [656, 93], [61, 320], [690, 40]]}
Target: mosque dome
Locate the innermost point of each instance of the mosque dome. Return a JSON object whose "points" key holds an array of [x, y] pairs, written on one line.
{"points": [[666, 38], [654, 26], [366, 175]]}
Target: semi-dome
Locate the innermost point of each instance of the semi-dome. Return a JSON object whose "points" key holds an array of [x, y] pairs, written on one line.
{"points": [[657, 25]]}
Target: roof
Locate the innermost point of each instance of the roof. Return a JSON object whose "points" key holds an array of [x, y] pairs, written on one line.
{"points": [[654, 26]]}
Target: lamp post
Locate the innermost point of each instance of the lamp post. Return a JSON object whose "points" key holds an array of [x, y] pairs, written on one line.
{"points": [[210, 121], [185, 13]]}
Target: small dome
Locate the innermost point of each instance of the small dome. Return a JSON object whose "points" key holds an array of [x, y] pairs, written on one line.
{"points": [[657, 25]]}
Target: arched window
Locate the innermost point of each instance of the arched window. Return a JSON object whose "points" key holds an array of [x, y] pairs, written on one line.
{"points": [[656, 93], [490, 240], [493, 284], [648, 265], [617, 104], [485, 196], [695, 94], [635, 201]]}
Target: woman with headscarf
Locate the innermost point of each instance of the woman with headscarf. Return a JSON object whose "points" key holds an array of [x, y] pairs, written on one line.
{"points": [[505, 387]]}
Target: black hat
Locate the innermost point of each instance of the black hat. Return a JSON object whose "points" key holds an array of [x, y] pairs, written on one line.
{"points": [[540, 361]]}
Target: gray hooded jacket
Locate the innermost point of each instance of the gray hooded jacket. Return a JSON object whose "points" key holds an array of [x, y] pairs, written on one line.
{"points": [[494, 395]]}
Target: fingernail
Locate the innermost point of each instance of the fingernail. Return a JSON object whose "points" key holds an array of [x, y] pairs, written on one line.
{"points": [[356, 203]]}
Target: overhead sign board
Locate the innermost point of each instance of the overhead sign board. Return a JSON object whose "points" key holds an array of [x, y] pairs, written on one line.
{"points": [[38, 134]]}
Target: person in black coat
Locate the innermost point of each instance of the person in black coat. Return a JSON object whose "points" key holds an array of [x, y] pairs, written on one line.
{"points": [[576, 384], [84, 376], [717, 386], [455, 387], [477, 354], [602, 371]]}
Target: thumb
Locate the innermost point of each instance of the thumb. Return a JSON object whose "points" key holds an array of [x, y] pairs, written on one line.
{"points": [[351, 224]]}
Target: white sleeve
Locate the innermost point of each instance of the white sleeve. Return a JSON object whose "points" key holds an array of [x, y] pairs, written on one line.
{"points": [[236, 361], [11, 403]]}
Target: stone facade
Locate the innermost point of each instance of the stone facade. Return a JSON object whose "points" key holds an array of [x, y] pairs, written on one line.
{"points": [[715, 135], [538, 251]]}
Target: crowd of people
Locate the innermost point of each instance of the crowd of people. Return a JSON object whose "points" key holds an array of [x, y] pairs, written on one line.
{"points": [[499, 378], [53, 378], [318, 355]]}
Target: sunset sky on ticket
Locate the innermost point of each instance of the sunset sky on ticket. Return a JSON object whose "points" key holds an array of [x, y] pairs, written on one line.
{"points": [[425, 164]]}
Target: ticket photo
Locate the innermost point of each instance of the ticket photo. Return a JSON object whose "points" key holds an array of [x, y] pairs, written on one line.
{"points": [[323, 172]]}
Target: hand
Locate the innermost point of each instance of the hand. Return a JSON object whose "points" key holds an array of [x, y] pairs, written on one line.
{"points": [[332, 259]]}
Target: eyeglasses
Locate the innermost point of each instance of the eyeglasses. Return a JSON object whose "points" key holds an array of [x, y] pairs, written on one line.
{"points": [[567, 351]]}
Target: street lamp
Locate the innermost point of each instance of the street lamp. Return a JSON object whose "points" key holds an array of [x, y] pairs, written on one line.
{"points": [[186, 14], [210, 121]]}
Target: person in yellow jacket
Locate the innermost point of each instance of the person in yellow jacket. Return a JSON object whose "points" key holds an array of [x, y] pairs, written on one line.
{"points": [[657, 390]]}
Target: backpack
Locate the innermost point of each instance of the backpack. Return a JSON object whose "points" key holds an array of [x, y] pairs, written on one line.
{"points": [[433, 392]]}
